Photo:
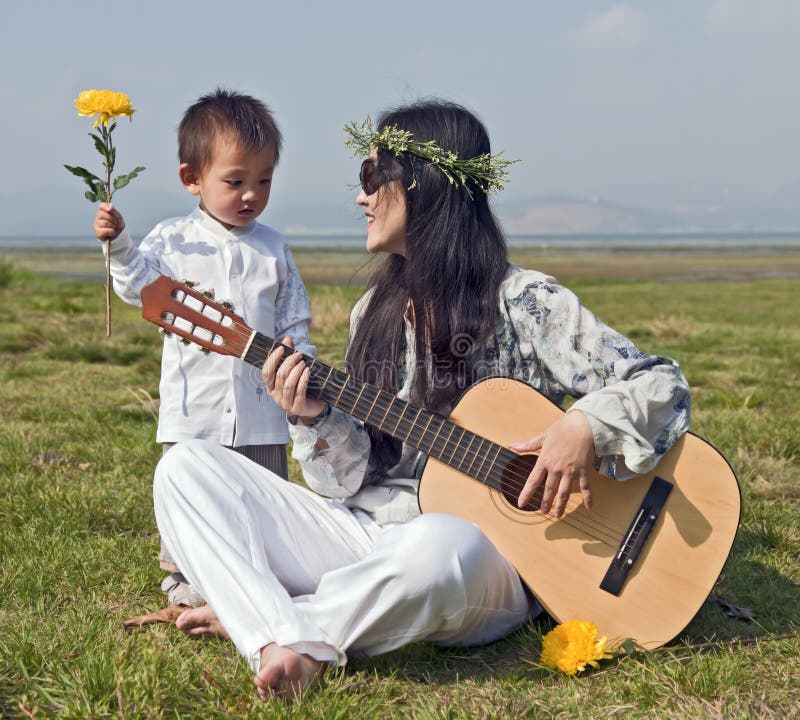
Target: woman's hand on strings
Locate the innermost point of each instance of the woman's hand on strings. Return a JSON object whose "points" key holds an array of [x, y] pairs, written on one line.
{"points": [[287, 383], [566, 458]]}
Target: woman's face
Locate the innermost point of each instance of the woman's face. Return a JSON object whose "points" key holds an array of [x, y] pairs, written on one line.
{"points": [[386, 214]]}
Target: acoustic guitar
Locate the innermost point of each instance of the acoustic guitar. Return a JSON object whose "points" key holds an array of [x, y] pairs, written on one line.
{"points": [[639, 565]]}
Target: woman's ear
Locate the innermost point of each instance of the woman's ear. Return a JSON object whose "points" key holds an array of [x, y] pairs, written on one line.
{"points": [[189, 178]]}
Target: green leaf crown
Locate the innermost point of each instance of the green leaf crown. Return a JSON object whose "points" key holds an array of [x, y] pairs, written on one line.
{"points": [[487, 172]]}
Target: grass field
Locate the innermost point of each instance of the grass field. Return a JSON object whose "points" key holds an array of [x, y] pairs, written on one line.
{"points": [[78, 541], [352, 266]]}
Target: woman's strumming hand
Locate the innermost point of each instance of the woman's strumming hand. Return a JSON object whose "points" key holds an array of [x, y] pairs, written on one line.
{"points": [[566, 459]]}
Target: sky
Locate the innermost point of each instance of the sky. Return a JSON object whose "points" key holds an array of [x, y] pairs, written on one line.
{"points": [[642, 109]]}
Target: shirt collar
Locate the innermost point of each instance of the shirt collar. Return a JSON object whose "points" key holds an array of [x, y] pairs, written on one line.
{"points": [[214, 226]]}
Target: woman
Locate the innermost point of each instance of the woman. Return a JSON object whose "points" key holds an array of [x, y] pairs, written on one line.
{"points": [[299, 578]]}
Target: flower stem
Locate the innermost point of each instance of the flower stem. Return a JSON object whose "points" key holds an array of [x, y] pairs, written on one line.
{"points": [[108, 145]]}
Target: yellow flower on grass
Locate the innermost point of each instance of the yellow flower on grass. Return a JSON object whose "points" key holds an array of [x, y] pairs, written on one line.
{"points": [[572, 646], [107, 104]]}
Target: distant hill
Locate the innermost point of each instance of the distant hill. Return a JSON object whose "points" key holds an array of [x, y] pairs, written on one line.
{"points": [[657, 207]]}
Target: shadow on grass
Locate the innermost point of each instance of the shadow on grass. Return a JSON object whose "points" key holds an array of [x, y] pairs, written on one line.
{"points": [[750, 584], [513, 657], [773, 596]]}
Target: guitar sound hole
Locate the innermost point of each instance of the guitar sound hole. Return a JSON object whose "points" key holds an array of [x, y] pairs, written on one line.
{"points": [[514, 477]]}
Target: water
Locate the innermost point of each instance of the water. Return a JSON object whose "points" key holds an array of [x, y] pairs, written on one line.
{"points": [[705, 255], [729, 242], [733, 242]]}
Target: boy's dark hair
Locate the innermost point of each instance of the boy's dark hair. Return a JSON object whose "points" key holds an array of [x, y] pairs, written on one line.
{"points": [[221, 111]]}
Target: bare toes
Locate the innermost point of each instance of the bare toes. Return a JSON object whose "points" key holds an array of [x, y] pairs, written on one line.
{"points": [[284, 672], [197, 622]]}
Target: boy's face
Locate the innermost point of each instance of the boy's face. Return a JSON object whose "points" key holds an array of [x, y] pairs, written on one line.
{"points": [[234, 187]]}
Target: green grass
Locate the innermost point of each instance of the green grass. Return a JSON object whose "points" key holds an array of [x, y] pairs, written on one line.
{"points": [[78, 541]]}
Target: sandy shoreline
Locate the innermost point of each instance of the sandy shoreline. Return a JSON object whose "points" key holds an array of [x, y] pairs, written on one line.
{"points": [[333, 265]]}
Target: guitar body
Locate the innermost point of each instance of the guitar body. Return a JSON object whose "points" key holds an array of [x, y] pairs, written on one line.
{"points": [[564, 561]]}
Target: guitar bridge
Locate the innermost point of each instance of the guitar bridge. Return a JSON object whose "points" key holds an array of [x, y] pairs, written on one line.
{"points": [[634, 539]]}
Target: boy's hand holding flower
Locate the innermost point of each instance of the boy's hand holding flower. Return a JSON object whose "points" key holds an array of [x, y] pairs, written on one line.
{"points": [[108, 223]]}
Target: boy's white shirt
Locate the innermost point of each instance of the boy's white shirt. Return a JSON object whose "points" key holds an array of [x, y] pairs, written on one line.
{"points": [[206, 395]]}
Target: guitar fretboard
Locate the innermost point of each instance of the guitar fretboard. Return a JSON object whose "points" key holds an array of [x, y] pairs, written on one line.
{"points": [[461, 449]]}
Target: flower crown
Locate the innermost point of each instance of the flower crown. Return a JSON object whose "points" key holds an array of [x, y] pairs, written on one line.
{"points": [[487, 171]]}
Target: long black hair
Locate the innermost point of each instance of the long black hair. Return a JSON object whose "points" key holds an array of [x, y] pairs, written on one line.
{"points": [[455, 260]]}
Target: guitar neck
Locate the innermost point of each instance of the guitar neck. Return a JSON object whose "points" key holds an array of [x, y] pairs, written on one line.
{"points": [[196, 318], [429, 432]]}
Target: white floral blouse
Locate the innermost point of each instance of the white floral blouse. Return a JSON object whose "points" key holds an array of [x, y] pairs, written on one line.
{"points": [[638, 405]]}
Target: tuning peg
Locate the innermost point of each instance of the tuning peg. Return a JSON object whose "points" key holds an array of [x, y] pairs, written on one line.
{"points": [[164, 332], [186, 341], [208, 293], [227, 304], [189, 283], [203, 349]]}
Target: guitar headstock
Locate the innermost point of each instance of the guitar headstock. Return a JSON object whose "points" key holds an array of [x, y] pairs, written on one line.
{"points": [[186, 312]]}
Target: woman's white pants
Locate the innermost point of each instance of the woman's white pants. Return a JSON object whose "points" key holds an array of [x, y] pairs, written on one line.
{"points": [[278, 563]]}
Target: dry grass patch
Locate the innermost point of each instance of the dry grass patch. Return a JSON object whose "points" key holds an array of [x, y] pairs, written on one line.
{"points": [[330, 307], [771, 476], [672, 328]]}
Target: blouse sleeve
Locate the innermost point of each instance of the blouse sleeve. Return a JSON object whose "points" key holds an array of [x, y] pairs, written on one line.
{"points": [[638, 405], [292, 309], [337, 471]]}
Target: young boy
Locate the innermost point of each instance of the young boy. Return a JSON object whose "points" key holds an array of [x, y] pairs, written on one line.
{"points": [[228, 146]]}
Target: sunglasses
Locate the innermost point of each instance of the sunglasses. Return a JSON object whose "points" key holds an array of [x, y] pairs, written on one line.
{"points": [[371, 177]]}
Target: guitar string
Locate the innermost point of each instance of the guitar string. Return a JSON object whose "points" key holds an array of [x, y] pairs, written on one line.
{"points": [[594, 520], [534, 502], [590, 523], [399, 416], [245, 333]]}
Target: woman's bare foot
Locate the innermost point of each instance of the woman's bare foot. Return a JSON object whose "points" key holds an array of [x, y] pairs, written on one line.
{"points": [[201, 621], [284, 672]]}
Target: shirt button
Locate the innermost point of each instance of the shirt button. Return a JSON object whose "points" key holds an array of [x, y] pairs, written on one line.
{"points": [[227, 410]]}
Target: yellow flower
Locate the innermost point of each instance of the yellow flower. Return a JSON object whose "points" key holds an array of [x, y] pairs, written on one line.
{"points": [[572, 646], [106, 104]]}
